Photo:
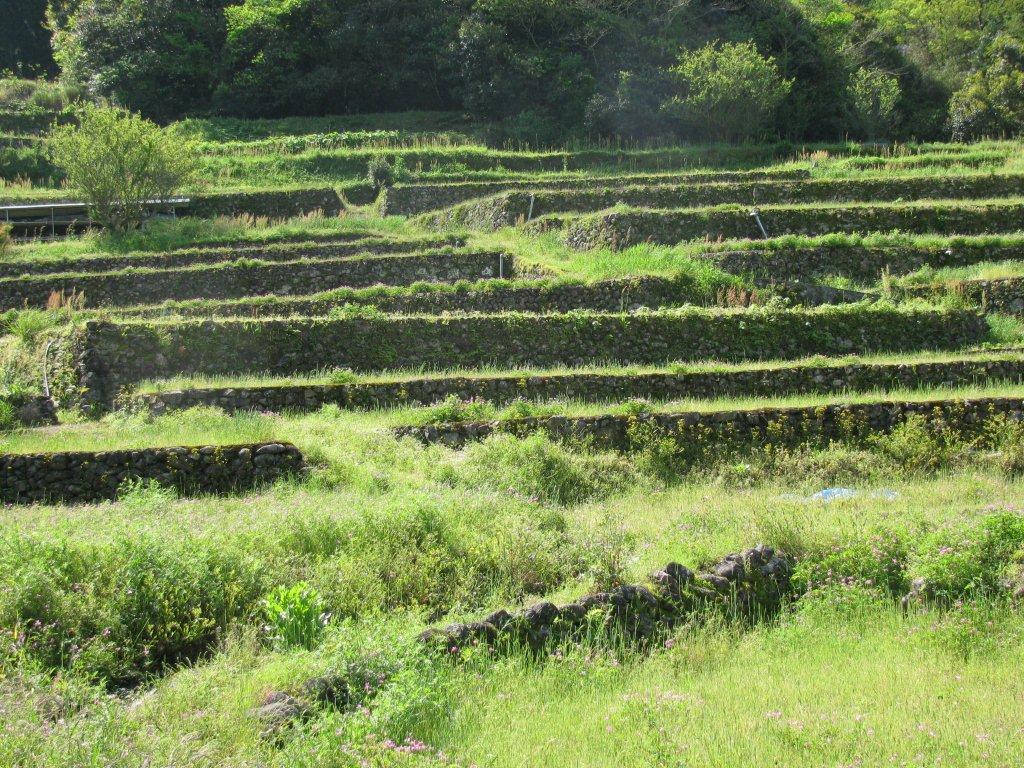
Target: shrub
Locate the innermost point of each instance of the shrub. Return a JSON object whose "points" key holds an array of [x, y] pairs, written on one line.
{"points": [[877, 563], [379, 173], [917, 446], [956, 562], [726, 92], [537, 468], [118, 161], [295, 616], [875, 96], [122, 611]]}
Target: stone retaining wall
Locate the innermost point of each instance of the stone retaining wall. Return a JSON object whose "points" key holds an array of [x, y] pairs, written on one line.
{"points": [[488, 296], [857, 262], [784, 425], [621, 229], [245, 278], [271, 204], [186, 257], [32, 410], [413, 199], [999, 295], [83, 477], [516, 207], [105, 357], [810, 378]]}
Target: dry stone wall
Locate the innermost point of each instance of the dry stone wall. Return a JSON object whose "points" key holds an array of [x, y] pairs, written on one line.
{"points": [[808, 378], [782, 425], [753, 584], [82, 477], [187, 257], [489, 296], [413, 199], [253, 278], [857, 262], [621, 229], [516, 207], [998, 295], [106, 357], [272, 204]]}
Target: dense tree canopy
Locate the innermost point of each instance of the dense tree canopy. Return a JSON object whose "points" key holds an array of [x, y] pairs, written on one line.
{"points": [[544, 70], [24, 39]]}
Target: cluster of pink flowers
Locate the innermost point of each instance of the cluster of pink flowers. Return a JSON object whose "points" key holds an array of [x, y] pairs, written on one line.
{"points": [[407, 747]]}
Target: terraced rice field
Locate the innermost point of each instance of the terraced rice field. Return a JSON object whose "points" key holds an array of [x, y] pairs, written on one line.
{"points": [[516, 377]]}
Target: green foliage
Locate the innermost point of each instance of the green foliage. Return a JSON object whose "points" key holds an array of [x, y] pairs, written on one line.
{"points": [[726, 92], [120, 612], [976, 558], [918, 446], [537, 468], [5, 239], [159, 57], [118, 161], [27, 325], [8, 417], [382, 173], [289, 57], [876, 97], [295, 616], [24, 40], [878, 562], [991, 101]]}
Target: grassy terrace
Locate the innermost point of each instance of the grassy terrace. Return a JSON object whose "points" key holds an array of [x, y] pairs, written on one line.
{"points": [[571, 409], [137, 629], [210, 426], [289, 160], [343, 376]]}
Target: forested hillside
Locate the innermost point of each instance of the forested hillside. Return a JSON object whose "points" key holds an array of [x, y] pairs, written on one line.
{"points": [[545, 71]]}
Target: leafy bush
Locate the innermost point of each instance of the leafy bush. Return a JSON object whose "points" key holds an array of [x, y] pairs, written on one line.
{"points": [[379, 173], [118, 161], [5, 239], [875, 97], [918, 446], [537, 468], [295, 616], [122, 611], [878, 563], [726, 92], [956, 562]]}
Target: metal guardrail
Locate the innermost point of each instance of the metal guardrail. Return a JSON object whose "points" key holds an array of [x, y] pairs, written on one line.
{"points": [[46, 219]]}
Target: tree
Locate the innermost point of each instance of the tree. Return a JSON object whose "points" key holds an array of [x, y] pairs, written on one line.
{"points": [[159, 57], [726, 92], [118, 161], [310, 57], [991, 101], [24, 41], [875, 96]]}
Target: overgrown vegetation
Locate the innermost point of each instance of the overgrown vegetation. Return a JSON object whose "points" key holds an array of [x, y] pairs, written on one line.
{"points": [[542, 71], [121, 164]]}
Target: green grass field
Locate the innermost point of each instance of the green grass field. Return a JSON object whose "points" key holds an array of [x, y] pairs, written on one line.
{"points": [[154, 628]]}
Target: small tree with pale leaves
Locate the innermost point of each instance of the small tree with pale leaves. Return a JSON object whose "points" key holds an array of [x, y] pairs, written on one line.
{"points": [[119, 162]]}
